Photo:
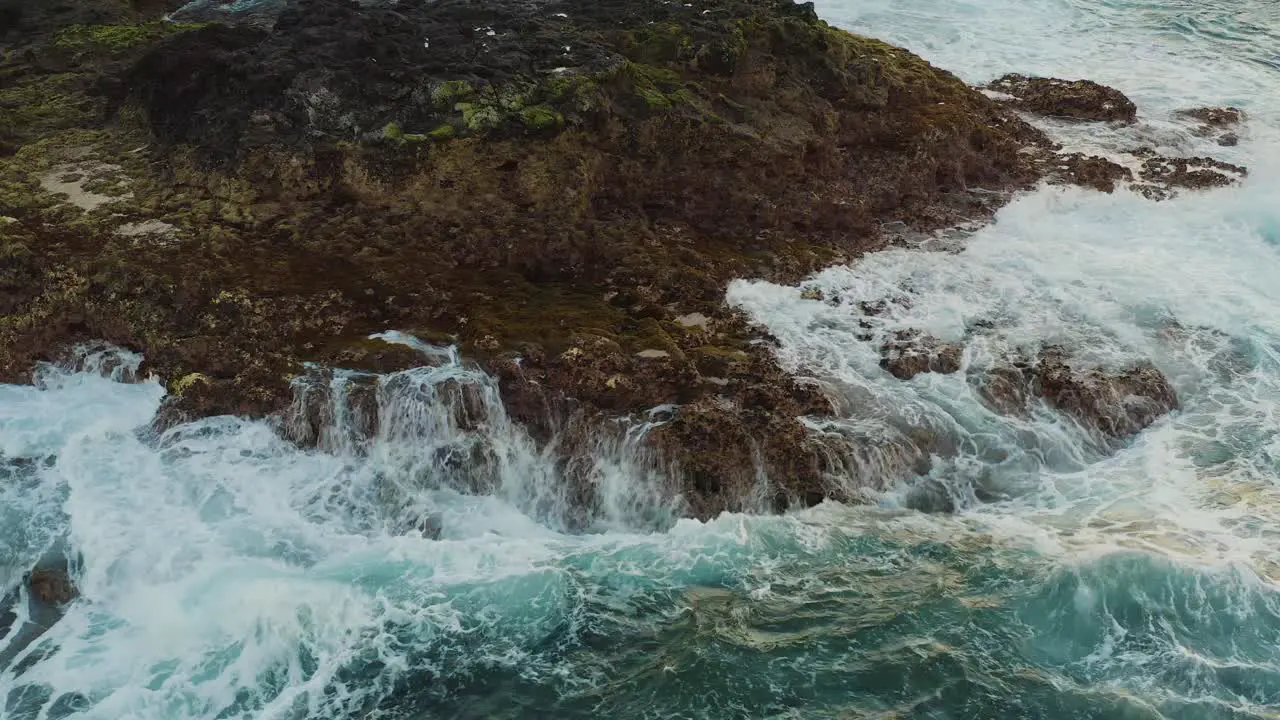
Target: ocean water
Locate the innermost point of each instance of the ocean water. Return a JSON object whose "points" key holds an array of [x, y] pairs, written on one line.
{"points": [[227, 574]]}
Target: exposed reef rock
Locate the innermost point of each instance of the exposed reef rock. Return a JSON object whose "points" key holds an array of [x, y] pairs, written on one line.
{"points": [[1071, 99], [1192, 173], [1090, 171], [564, 188], [1116, 404], [1219, 123], [1162, 177], [911, 353], [1214, 117], [1216, 122], [52, 586]]}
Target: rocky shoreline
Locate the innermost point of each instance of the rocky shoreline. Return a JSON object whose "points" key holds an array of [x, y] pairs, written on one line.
{"points": [[562, 188]]}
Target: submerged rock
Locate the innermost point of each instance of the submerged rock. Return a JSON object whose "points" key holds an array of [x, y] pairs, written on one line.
{"points": [[1214, 117], [1072, 99], [1114, 403], [1216, 122]]}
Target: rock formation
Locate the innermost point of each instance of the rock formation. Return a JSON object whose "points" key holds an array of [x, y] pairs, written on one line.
{"points": [[558, 183], [1070, 99], [563, 188], [910, 353], [1220, 123], [1115, 404]]}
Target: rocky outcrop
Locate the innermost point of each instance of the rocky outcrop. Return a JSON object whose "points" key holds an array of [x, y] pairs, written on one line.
{"points": [[563, 190], [1162, 177], [909, 353], [1115, 404], [1195, 173], [1071, 99], [1219, 123], [52, 586], [1090, 171], [1214, 117]]}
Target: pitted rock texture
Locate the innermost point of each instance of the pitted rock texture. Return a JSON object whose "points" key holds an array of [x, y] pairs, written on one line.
{"points": [[1072, 99]]}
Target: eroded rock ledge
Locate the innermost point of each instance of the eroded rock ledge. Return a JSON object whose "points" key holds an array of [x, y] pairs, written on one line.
{"points": [[562, 187]]}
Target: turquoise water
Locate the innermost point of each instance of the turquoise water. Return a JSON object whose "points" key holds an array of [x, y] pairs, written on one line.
{"points": [[227, 574]]}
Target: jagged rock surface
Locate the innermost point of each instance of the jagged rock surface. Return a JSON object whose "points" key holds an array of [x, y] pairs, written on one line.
{"points": [[910, 353], [1071, 99], [559, 182], [1116, 404]]}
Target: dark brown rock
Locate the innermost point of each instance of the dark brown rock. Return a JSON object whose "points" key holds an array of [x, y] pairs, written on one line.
{"points": [[1214, 117], [1073, 99], [1113, 403], [555, 213], [911, 352], [1196, 173], [1219, 123], [52, 586], [1090, 171]]}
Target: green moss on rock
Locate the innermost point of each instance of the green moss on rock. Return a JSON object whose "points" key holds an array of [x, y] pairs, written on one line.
{"points": [[443, 133], [117, 38], [451, 92], [541, 117]]}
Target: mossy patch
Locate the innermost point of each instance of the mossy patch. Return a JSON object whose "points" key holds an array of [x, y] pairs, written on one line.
{"points": [[186, 382], [43, 105], [658, 43], [541, 117], [443, 133], [451, 92], [119, 38], [659, 88]]}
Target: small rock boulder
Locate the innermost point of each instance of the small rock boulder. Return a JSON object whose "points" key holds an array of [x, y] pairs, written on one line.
{"points": [[1216, 122], [1091, 171], [911, 352], [1074, 99], [1214, 117], [1195, 173], [1114, 403], [52, 586]]}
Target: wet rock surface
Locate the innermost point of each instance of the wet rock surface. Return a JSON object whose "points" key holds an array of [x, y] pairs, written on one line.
{"points": [[1116, 404], [910, 353], [1072, 99], [1215, 117], [1090, 171], [52, 586], [558, 187], [562, 188], [1195, 173]]}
